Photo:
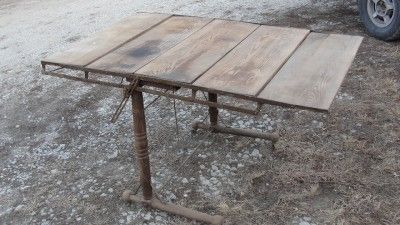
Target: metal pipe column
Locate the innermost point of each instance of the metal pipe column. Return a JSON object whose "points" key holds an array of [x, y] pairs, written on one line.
{"points": [[213, 110]]}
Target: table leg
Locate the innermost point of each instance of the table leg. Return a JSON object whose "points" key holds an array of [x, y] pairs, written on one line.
{"points": [[142, 155], [212, 110], [141, 144], [214, 127]]}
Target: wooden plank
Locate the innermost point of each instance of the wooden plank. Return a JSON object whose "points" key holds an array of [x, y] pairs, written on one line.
{"points": [[191, 58], [253, 63], [140, 51], [313, 75], [90, 49]]}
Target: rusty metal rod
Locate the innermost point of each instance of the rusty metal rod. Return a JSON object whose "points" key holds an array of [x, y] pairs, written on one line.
{"points": [[155, 92], [236, 131], [198, 101], [175, 209], [212, 110], [92, 81]]}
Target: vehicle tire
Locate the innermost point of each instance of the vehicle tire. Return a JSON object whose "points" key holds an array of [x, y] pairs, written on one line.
{"points": [[381, 18]]}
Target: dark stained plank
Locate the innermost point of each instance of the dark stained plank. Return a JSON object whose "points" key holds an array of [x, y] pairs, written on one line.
{"points": [[140, 51], [313, 75], [253, 63], [88, 50], [191, 58]]}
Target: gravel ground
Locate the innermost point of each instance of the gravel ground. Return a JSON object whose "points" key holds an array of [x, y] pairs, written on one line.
{"points": [[63, 162]]}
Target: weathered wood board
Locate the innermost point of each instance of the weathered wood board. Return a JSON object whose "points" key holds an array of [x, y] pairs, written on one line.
{"points": [[261, 63], [252, 64], [195, 55], [92, 48], [313, 75], [142, 50]]}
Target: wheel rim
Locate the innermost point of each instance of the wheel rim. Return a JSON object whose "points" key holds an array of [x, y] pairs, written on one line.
{"points": [[381, 12]]}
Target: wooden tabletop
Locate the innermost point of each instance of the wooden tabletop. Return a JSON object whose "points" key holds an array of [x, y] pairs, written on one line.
{"points": [[268, 64]]}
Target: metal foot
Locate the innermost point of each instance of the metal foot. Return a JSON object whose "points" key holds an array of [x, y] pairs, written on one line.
{"points": [[174, 209], [235, 131]]}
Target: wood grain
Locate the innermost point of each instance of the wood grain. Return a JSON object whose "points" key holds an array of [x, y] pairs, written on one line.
{"points": [[140, 51], [90, 49], [191, 58], [253, 63], [313, 75]]}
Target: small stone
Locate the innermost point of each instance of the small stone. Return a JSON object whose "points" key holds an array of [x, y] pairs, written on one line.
{"points": [[172, 196], [147, 216], [202, 156], [255, 153], [19, 208], [110, 190], [113, 155], [158, 218], [240, 165], [205, 182], [16, 126], [185, 181]]}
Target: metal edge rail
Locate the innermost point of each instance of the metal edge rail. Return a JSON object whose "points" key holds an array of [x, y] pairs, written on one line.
{"points": [[192, 99]]}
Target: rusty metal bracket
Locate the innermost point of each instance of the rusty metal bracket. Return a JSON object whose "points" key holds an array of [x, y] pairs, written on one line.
{"points": [[235, 131], [214, 127], [143, 88], [174, 209], [197, 101], [86, 80], [127, 94]]}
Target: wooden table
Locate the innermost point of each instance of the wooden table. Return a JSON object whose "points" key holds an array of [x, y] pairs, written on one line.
{"points": [[161, 54]]}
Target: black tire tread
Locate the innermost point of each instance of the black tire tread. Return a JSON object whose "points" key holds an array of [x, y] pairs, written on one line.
{"points": [[394, 33]]}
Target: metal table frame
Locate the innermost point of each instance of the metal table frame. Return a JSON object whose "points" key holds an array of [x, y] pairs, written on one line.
{"points": [[134, 88]]}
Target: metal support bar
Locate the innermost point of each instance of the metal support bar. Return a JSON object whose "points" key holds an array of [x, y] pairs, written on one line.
{"points": [[198, 101], [236, 131], [213, 110], [86, 80], [191, 99], [174, 209]]}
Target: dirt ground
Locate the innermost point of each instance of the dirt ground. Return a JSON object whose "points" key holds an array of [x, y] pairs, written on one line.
{"points": [[63, 162]]}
